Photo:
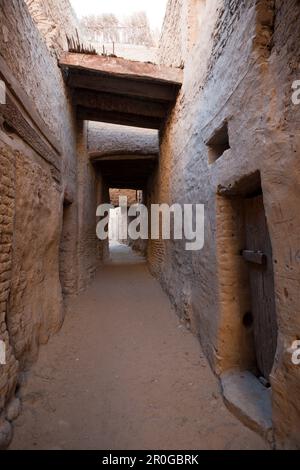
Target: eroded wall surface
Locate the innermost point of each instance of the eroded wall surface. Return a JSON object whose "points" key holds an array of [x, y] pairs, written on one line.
{"points": [[38, 168], [56, 20], [240, 71], [112, 140]]}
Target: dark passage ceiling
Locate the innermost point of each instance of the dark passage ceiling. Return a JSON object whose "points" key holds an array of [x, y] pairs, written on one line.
{"points": [[126, 171]]}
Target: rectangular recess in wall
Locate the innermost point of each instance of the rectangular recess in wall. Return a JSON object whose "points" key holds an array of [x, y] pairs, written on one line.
{"points": [[218, 143]]}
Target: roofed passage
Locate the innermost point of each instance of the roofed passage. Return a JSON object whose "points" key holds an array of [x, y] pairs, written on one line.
{"points": [[121, 91], [126, 171]]}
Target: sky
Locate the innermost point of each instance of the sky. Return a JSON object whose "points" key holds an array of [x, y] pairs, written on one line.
{"points": [[155, 9]]}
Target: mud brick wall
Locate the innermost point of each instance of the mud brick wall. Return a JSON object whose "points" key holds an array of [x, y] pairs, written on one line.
{"points": [[239, 71], [8, 372], [31, 198]]}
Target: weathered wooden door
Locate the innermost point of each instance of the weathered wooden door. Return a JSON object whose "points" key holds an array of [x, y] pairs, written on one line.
{"points": [[259, 258]]}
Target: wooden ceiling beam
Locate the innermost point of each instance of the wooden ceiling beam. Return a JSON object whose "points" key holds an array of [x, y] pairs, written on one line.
{"points": [[128, 87], [119, 104], [124, 119]]}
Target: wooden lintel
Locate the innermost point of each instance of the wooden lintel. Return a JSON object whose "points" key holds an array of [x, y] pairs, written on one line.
{"points": [[95, 157], [119, 67], [128, 87], [119, 104], [132, 184], [124, 119]]}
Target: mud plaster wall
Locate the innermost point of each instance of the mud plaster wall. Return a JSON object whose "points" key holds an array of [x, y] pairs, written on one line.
{"points": [[179, 37], [240, 70], [31, 203], [92, 192], [55, 19], [107, 139]]}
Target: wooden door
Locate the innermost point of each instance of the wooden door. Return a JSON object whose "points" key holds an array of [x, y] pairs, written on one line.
{"points": [[258, 255]]}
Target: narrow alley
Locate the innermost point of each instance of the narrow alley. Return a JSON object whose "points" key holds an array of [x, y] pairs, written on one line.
{"points": [[116, 378], [179, 142]]}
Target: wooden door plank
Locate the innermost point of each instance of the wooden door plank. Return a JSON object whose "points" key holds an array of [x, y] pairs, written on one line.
{"points": [[261, 285]]}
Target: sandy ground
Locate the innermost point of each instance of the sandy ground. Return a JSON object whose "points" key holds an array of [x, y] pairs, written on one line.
{"points": [[124, 374]]}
